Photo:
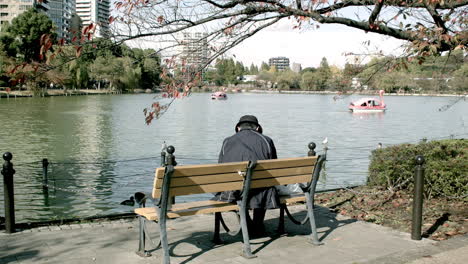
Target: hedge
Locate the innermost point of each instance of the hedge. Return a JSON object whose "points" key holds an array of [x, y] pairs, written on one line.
{"points": [[446, 167]]}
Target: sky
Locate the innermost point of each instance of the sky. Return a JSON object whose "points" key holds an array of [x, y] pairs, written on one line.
{"points": [[308, 47]]}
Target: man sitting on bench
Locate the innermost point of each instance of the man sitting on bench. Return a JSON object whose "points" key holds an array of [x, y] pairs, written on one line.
{"points": [[249, 144]]}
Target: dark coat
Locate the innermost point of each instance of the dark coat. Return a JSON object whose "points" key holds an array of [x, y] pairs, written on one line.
{"points": [[250, 145]]}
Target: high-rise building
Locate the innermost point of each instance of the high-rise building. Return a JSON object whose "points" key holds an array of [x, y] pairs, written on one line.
{"points": [[195, 48], [10, 9], [96, 12], [61, 12], [296, 67], [280, 63]]}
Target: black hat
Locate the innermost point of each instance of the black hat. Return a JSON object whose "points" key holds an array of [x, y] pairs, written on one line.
{"points": [[249, 119]]}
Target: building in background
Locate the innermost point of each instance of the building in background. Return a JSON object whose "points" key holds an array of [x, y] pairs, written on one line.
{"points": [[10, 9], [296, 67], [195, 48], [61, 13], [96, 12], [280, 63], [75, 26]]}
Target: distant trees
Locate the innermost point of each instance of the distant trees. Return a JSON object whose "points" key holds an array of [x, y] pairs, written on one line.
{"points": [[447, 73], [24, 59], [22, 38], [253, 69], [435, 73], [459, 81], [226, 71]]}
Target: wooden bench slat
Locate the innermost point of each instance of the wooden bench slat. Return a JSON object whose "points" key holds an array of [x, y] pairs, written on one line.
{"points": [[200, 180], [279, 181], [290, 199], [207, 169], [159, 173], [285, 163], [207, 188], [204, 207], [233, 177], [230, 186], [184, 206], [186, 209], [194, 170]]}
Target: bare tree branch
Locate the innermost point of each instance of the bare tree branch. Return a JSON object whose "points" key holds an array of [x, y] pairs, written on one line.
{"points": [[376, 11]]}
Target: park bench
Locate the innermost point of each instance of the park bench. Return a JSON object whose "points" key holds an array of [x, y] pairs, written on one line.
{"points": [[171, 181]]}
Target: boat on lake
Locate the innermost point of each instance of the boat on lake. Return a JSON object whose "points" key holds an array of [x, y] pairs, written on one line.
{"points": [[368, 105], [219, 96]]}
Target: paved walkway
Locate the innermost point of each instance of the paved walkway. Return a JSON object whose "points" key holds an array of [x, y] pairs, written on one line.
{"points": [[346, 241]]}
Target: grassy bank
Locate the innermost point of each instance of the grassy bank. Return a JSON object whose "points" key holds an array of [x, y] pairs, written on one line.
{"points": [[443, 217]]}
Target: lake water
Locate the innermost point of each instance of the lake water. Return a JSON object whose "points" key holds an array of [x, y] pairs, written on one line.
{"points": [[101, 151]]}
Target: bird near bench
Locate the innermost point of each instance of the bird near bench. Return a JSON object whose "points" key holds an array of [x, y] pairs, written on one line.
{"points": [[130, 202]]}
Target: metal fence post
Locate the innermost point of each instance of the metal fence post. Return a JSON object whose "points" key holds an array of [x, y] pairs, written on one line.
{"points": [[311, 152], [45, 180], [418, 199], [8, 192]]}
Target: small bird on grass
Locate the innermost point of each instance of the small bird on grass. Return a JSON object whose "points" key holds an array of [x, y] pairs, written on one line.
{"points": [[130, 202]]}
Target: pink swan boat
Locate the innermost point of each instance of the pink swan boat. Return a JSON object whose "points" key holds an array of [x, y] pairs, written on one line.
{"points": [[368, 105], [218, 96]]}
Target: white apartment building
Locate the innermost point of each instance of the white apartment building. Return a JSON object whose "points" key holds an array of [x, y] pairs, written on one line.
{"points": [[10, 9], [296, 67], [195, 48], [281, 63], [61, 12], [96, 12]]}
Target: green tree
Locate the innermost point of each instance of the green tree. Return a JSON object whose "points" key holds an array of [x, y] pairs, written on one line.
{"points": [[104, 70], [79, 77], [308, 81], [130, 76], [287, 80], [309, 69], [264, 66], [4, 63], [266, 78], [253, 69], [24, 35], [323, 75], [239, 70], [150, 75], [460, 79], [209, 76], [396, 81]]}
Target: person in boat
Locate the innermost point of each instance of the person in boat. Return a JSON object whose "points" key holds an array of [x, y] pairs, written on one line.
{"points": [[248, 143]]}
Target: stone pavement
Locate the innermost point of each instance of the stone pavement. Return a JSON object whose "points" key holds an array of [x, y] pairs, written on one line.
{"points": [[345, 241]]}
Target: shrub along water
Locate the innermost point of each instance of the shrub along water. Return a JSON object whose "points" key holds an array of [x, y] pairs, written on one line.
{"points": [[446, 167]]}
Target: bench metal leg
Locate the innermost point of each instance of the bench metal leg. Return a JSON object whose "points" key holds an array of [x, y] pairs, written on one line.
{"points": [[142, 239], [281, 220], [310, 211], [164, 243], [246, 251], [216, 237]]}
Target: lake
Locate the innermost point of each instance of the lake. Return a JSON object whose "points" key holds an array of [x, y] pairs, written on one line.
{"points": [[101, 151]]}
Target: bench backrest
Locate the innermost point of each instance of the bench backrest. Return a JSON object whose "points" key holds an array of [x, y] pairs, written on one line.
{"points": [[211, 178]]}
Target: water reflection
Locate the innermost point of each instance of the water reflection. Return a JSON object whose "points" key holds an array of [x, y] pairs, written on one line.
{"points": [[369, 115], [101, 152]]}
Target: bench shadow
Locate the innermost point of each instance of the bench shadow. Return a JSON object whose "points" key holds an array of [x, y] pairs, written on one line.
{"points": [[326, 223], [324, 219], [19, 257]]}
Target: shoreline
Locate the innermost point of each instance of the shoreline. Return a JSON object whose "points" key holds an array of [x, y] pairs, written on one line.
{"points": [[356, 92], [49, 93]]}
